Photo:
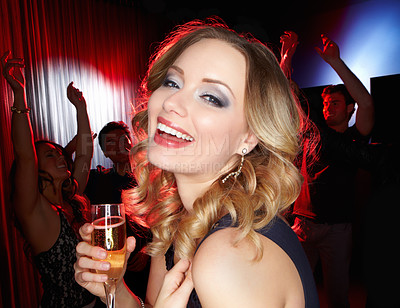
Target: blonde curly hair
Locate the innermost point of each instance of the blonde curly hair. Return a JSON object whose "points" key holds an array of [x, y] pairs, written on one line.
{"points": [[269, 181]]}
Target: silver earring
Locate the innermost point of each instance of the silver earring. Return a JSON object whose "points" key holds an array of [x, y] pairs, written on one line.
{"points": [[235, 174]]}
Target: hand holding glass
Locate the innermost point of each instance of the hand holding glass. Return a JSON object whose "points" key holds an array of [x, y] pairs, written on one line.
{"points": [[109, 233]]}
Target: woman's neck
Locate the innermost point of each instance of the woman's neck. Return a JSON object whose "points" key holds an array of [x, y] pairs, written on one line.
{"points": [[190, 188], [53, 193]]}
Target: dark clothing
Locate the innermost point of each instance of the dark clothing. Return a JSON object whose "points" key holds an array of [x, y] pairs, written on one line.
{"points": [[138, 266], [324, 209], [106, 185], [328, 191], [56, 268], [282, 235]]}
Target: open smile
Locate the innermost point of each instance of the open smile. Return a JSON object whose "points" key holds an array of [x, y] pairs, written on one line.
{"points": [[169, 135], [170, 131]]}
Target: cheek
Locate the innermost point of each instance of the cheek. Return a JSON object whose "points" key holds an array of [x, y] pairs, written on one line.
{"points": [[218, 136], [46, 165]]}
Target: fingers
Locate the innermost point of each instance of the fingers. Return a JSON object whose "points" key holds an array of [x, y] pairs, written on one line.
{"points": [[4, 57], [289, 34], [187, 285], [73, 93], [85, 262], [83, 277], [130, 244], [318, 50], [85, 266], [8, 64], [181, 266], [176, 287], [326, 40], [86, 232], [176, 275], [85, 271], [86, 249], [14, 62]]}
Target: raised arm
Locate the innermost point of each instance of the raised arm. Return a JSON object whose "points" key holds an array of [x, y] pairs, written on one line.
{"points": [[83, 138], [365, 116], [26, 193], [289, 42]]}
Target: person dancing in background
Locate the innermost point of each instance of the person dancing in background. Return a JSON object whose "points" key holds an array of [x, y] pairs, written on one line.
{"points": [[324, 210], [46, 193], [106, 185], [214, 173]]}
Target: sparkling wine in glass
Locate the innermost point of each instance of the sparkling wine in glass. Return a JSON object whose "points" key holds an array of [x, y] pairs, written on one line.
{"points": [[110, 233]]}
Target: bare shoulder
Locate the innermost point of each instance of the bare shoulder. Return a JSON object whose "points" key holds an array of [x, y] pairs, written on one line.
{"points": [[41, 227], [226, 275]]}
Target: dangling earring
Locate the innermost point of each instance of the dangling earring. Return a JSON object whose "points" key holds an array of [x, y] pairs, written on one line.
{"points": [[236, 173]]}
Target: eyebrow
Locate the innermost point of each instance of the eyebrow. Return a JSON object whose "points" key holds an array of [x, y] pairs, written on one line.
{"points": [[206, 80], [178, 69], [209, 80]]}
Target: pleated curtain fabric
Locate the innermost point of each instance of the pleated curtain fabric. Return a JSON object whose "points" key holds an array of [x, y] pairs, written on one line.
{"points": [[103, 47]]}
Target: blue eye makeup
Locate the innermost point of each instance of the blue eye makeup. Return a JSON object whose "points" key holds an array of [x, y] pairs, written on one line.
{"points": [[210, 92], [214, 95], [170, 82], [214, 100]]}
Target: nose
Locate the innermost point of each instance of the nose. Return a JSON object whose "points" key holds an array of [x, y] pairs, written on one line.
{"points": [[177, 103]]}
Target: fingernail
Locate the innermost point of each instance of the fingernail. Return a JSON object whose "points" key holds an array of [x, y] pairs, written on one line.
{"points": [[102, 254], [105, 266]]}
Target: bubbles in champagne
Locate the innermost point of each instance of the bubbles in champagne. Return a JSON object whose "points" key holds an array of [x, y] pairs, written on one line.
{"points": [[109, 233]]}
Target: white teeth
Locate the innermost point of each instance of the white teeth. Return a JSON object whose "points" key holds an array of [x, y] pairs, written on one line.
{"points": [[166, 129]]}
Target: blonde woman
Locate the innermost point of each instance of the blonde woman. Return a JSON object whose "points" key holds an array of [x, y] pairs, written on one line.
{"points": [[214, 172]]}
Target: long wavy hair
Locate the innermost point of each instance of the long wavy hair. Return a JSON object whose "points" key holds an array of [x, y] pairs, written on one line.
{"points": [[79, 204], [269, 181]]}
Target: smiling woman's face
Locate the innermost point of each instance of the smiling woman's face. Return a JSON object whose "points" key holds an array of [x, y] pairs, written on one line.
{"points": [[196, 117], [51, 160]]}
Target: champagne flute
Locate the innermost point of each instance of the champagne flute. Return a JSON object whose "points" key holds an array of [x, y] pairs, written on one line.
{"points": [[109, 233]]}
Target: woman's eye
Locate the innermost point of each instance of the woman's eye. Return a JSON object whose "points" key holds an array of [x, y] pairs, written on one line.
{"points": [[213, 100], [170, 84]]}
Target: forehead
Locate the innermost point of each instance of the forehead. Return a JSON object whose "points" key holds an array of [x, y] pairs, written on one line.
{"points": [[214, 59], [45, 147], [115, 133], [333, 97]]}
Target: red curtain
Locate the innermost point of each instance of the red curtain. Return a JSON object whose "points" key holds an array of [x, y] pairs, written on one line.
{"points": [[103, 46]]}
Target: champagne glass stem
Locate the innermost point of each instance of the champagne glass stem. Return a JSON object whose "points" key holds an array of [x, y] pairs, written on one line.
{"points": [[109, 287]]}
